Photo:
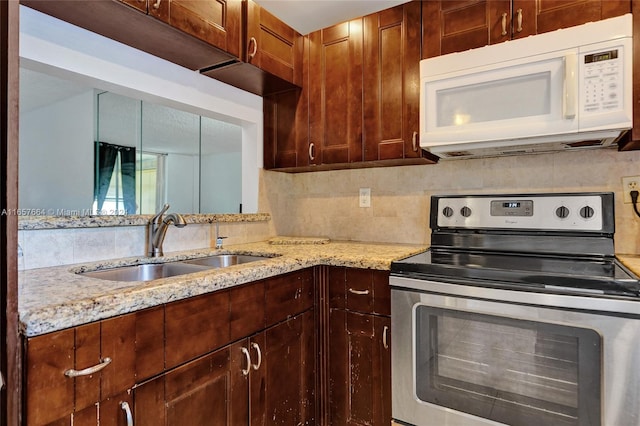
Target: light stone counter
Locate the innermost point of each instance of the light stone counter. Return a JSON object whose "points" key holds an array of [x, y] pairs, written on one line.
{"points": [[55, 298]]}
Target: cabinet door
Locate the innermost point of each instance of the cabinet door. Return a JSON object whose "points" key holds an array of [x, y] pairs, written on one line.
{"points": [[550, 15], [359, 369], [211, 390], [392, 83], [454, 26], [103, 355], [335, 93], [272, 45], [217, 22], [282, 380]]}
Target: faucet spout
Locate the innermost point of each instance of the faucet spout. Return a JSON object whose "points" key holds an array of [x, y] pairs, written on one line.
{"points": [[158, 229]]}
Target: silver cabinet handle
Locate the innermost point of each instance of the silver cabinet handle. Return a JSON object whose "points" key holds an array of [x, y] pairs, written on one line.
{"points": [[414, 141], [519, 12], [385, 333], [311, 150], [124, 405], [90, 370], [245, 351], [253, 52], [156, 5], [259, 352], [360, 292], [504, 24]]}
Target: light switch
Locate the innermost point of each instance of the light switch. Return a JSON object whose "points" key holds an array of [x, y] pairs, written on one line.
{"points": [[365, 197]]}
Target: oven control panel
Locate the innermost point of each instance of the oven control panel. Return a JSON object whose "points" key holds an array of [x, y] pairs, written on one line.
{"points": [[564, 212]]}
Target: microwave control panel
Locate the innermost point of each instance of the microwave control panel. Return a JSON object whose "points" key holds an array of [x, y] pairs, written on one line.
{"points": [[603, 81]]}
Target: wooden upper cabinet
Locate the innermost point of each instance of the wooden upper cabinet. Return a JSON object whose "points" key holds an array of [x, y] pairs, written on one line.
{"points": [[454, 26], [271, 45], [392, 83], [271, 55], [199, 34], [335, 94], [217, 22]]}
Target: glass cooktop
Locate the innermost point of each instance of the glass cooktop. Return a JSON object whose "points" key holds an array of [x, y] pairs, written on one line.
{"points": [[605, 276]]}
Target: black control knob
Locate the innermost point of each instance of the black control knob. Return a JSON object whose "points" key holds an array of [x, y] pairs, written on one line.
{"points": [[587, 212], [447, 211], [465, 211], [562, 212]]}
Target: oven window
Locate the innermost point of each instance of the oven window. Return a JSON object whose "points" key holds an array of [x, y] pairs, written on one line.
{"points": [[508, 370]]}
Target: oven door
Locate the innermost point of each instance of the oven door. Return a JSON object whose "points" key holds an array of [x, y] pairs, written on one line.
{"points": [[464, 360]]}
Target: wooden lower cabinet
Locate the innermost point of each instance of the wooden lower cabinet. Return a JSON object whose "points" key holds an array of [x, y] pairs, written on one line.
{"points": [[359, 369], [111, 345], [359, 349], [266, 379], [208, 391]]}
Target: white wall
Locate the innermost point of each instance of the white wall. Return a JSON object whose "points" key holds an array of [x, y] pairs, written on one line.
{"points": [[63, 136]]}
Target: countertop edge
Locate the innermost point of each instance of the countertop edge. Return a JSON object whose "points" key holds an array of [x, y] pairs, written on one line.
{"points": [[77, 300]]}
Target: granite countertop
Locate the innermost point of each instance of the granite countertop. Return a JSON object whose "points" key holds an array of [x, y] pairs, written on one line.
{"points": [[55, 298]]}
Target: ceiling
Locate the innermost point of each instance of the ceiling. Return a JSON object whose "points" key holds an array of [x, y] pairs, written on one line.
{"points": [[306, 16]]}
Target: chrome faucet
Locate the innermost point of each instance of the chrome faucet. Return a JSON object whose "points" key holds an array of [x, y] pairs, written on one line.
{"points": [[158, 229]]}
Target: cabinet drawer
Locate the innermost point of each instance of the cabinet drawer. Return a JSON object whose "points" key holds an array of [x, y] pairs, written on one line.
{"points": [[195, 326], [360, 290], [288, 295]]}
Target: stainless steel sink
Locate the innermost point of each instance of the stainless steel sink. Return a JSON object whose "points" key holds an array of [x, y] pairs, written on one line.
{"points": [[154, 271], [224, 260], [146, 272]]}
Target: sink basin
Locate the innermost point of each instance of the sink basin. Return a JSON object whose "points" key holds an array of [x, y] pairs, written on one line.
{"points": [[224, 260], [146, 272], [154, 271]]}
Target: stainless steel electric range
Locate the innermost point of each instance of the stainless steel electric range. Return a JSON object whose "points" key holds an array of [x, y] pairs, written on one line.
{"points": [[518, 314]]}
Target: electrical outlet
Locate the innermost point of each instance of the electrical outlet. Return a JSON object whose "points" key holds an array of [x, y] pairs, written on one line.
{"points": [[365, 197], [629, 184]]}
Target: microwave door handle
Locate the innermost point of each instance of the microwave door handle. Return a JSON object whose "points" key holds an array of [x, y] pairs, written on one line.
{"points": [[570, 85]]}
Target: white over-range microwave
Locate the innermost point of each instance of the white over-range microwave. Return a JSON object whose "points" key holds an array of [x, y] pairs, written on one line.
{"points": [[567, 89]]}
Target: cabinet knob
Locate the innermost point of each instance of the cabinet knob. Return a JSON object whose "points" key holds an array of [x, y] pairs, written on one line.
{"points": [[252, 52], [88, 371], [156, 5]]}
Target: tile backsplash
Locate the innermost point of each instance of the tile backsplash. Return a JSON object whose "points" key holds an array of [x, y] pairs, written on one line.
{"points": [[326, 203], [52, 247]]}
